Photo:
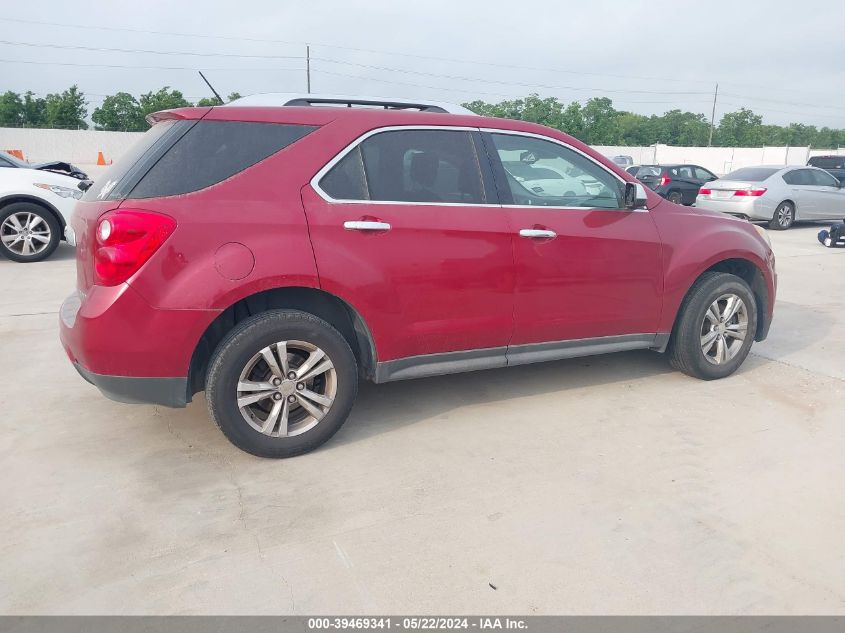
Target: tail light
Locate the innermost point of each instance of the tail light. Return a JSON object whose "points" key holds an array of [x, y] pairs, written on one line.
{"points": [[704, 191], [750, 192], [664, 180], [125, 240]]}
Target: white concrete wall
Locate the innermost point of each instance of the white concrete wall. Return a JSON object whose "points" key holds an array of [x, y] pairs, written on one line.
{"points": [[80, 147]]}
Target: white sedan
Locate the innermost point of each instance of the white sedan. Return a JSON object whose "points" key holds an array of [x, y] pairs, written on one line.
{"points": [[777, 194], [35, 207]]}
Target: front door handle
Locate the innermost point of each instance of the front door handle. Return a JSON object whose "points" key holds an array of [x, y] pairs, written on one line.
{"points": [[365, 225], [535, 233]]}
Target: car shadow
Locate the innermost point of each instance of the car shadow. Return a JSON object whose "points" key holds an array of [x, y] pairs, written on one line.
{"points": [[384, 408], [64, 252]]}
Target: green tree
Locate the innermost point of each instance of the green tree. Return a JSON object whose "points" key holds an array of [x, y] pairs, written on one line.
{"points": [[232, 96], [164, 99], [208, 101], [34, 110], [120, 111], [600, 122], [11, 109], [740, 129], [66, 110]]}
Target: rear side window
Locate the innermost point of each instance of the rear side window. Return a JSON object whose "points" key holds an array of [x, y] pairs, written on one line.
{"points": [[824, 179], [212, 151], [409, 166]]}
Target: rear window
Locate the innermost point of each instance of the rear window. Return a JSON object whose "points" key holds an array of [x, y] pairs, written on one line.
{"points": [[648, 170], [753, 174], [828, 162], [178, 157]]}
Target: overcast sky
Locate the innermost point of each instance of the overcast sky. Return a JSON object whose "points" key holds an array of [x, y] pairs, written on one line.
{"points": [[783, 59]]}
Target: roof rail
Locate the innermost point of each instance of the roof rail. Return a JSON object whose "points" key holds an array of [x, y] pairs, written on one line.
{"points": [[297, 99]]}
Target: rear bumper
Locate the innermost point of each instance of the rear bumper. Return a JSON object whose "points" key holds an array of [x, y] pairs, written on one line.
{"points": [[131, 351], [168, 392], [747, 207]]}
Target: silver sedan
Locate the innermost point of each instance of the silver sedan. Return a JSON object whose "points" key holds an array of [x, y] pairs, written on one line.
{"points": [[780, 195]]}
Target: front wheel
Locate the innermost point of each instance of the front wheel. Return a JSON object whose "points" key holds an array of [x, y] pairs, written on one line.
{"points": [[281, 383], [715, 327], [28, 232], [784, 216]]}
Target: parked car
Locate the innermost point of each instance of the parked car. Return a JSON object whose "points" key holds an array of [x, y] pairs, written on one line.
{"points": [[777, 194], [834, 165], [58, 166], [632, 170], [676, 183], [35, 208], [623, 161], [271, 256]]}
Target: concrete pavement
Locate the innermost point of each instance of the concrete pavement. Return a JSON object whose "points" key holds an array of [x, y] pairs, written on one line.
{"points": [[608, 485]]}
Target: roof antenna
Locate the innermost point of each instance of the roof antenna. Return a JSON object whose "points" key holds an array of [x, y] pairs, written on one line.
{"points": [[208, 83]]}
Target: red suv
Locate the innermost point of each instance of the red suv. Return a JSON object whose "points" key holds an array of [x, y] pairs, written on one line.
{"points": [[272, 255]]}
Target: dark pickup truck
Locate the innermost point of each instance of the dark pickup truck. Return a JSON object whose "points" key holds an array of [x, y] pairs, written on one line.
{"points": [[834, 165]]}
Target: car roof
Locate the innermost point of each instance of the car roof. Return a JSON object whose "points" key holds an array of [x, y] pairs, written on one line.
{"points": [[291, 99]]}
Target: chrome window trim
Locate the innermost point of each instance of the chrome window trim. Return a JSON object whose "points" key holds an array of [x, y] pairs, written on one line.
{"points": [[315, 180]]}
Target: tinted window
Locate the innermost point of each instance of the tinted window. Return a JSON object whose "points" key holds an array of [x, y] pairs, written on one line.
{"points": [[648, 170], [5, 163], [423, 166], [824, 179], [827, 162], [703, 174], [753, 174], [212, 151], [580, 182], [119, 179], [685, 172], [345, 181], [799, 177]]}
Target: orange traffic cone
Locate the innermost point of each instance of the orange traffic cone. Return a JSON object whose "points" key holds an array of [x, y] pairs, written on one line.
{"points": [[101, 160], [16, 153]]}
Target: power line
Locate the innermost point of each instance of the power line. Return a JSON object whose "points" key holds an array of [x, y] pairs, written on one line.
{"points": [[191, 68], [104, 49]]}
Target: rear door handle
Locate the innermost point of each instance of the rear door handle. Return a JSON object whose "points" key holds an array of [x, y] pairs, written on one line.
{"points": [[535, 233], [365, 225]]}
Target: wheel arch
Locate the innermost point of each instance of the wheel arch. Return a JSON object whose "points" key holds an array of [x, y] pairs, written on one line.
{"points": [[329, 307], [22, 197], [749, 272]]}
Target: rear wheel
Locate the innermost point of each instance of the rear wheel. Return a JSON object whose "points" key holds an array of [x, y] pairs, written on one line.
{"points": [[715, 327], [676, 197], [784, 216], [28, 232], [281, 383]]}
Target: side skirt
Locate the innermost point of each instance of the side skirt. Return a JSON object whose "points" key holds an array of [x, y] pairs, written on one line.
{"points": [[491, 358]]}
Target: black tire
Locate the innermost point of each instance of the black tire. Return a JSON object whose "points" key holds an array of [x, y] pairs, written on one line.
{"points": [[675, 197], [247, 339], [685, 347], [784, 216], [47, 218]]}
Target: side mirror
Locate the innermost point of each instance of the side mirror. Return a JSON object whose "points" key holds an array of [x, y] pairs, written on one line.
{"points": [[635, 197]]}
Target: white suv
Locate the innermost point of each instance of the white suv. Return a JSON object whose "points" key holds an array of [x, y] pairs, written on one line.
{"points": [[35, 207]]}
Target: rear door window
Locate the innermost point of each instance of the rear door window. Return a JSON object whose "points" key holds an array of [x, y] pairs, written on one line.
{"points": [[434, 166], [823, 179]]}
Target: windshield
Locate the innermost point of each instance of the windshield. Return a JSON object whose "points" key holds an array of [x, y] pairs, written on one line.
{"points": [[753, 174]]}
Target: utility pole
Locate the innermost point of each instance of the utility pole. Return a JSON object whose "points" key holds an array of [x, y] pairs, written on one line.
{"points": [[308, 68], [713, 116]]}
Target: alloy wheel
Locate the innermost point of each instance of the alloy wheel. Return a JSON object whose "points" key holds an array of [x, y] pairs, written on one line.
{"points": [[724, 328], [25, 233], [784, 215], [286, 388]]}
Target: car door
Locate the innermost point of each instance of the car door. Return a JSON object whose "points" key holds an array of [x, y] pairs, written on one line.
{"points": [[688, 183], [829, 197], [405, 226], [586, 268], [702, 176], [801, 189]]}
